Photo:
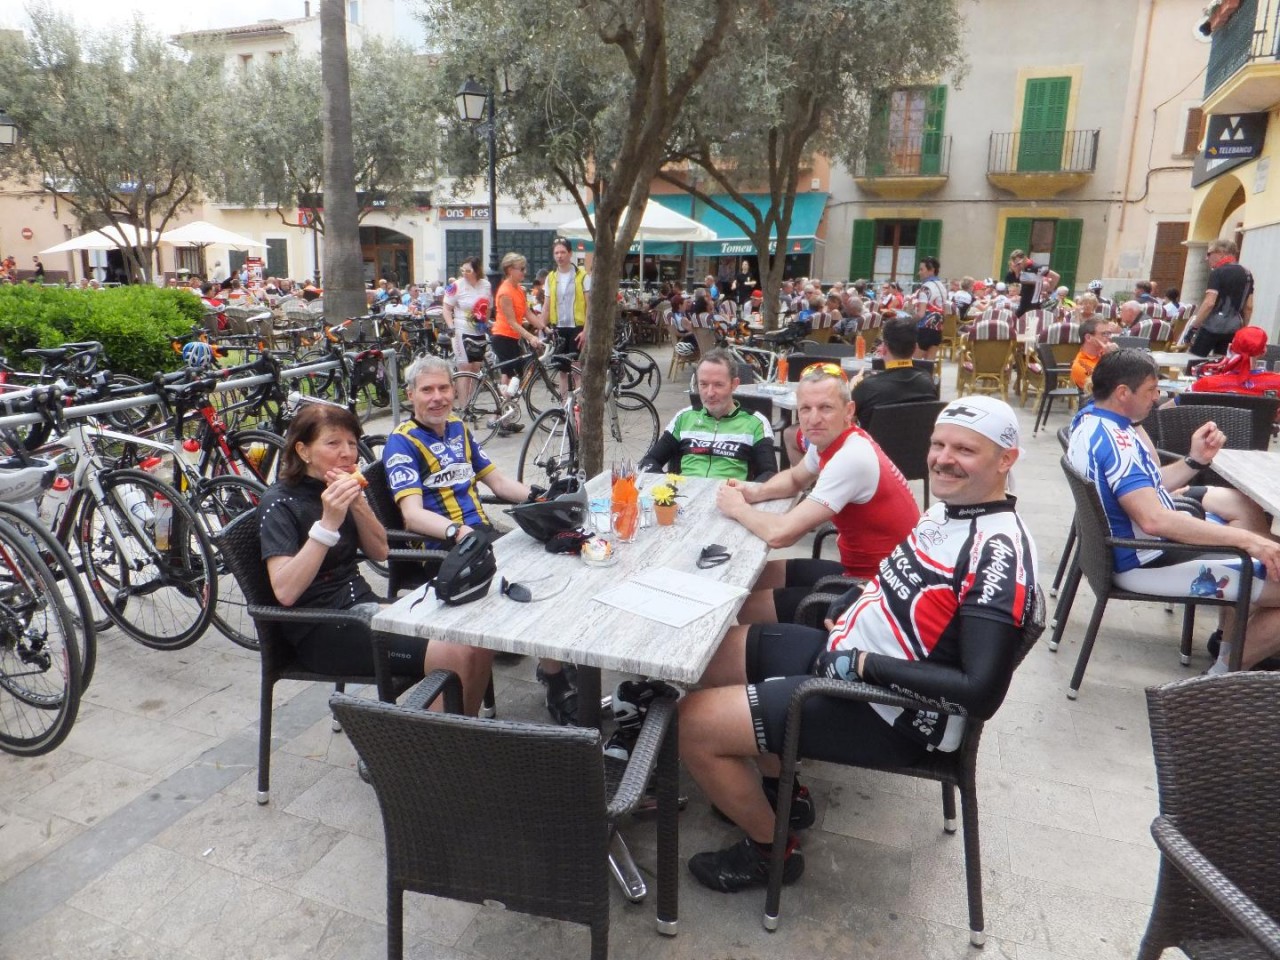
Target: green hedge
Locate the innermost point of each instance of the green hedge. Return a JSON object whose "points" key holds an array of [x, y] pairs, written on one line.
{"points": [[132, 323]]}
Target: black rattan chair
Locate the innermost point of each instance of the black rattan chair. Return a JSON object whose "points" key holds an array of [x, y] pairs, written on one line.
{"points": [[1094, 560], [953, 769], [409, 565], [241, 548], [903, 431], [1263, 410], [1171, 428], [518, 813], [1057, 383], [1219, 883]]}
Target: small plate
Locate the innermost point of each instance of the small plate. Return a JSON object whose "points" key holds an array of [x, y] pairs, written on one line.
{"points": [[608, 561]]}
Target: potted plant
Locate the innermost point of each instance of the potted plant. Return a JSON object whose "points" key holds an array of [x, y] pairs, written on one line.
{"points": [[664, 503]]}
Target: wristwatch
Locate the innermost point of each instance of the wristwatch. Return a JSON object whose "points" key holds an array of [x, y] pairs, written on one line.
{"points": [[451, 532]]}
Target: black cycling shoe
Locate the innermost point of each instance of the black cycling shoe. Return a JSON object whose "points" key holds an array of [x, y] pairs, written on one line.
{"points": [[1214, 643], [803, 810], [562, 695], [742, 866]]}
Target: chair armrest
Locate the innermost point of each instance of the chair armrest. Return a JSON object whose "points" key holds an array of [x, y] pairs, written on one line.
{"points": [[1234, 903], [433, 684], [306, 615], [864, 692], [1170, 546], [644, 757], [423, 555]]}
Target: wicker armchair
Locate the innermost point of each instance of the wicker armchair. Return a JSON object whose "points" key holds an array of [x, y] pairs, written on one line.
{"points": [[241, 549], [955, 769], [1219, 881], [409, 565], [1094, 560], [519, 813], [1057, 382], [903, 431], [1171, 428], [1262, 409]]}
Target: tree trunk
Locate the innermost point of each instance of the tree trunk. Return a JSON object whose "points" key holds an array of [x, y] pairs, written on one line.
{"points": [[343, 274], [606, 270]]}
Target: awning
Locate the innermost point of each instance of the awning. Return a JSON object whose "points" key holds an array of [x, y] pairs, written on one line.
{"points": [[805, 217]]}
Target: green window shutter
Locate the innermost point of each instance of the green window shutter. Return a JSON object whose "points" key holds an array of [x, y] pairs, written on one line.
{"points": [[1017, 236], [862, 257], [878, 136], [929, 239], [277, 258], [1066, 251], [1044, 124], [935, 116]]}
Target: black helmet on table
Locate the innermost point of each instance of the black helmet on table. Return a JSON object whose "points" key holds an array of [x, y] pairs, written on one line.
{"points": [[465, 574], [560, 509]]}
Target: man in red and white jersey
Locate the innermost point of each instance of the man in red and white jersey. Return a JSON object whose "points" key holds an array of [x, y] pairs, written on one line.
{"points": [[941, 622], [858, 488]]}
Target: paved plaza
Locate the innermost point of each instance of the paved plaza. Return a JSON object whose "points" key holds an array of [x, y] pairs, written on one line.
{"points": [[140, 836]]}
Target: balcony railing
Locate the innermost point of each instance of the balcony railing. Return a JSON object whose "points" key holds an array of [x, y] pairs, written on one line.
{"points": [[924, 155], [1043, 151], [1252, 33]]}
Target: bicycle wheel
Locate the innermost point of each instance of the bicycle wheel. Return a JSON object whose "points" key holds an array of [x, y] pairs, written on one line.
{"points": [[639, 373], [160, 590], [543, 392], [131, 419], [218, 502], [40, 668], [548, 451], [630, 427], [84, 612], [482, 406], [257, 453], [327, 385]]}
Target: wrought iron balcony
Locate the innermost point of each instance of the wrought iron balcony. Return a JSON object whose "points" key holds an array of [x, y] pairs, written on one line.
{"points": [[1250, 39], [925, 155], [904, 167], [1048, 151]]}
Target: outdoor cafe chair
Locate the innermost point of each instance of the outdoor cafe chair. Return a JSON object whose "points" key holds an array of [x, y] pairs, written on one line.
{"points": [[1218, 888], [518, 814], [1131, 342], [955, 769], [1094, 560], [903, 432], [241, 548], [1262, 411], [1057, 384]]}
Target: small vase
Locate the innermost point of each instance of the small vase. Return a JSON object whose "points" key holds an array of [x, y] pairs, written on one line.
{"points": [[666, 513]]}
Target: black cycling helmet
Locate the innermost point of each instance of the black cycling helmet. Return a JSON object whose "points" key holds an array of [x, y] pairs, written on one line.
{"points": [[560, 509], [465, 574]]}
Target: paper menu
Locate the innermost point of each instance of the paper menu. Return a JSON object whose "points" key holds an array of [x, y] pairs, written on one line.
{"points": [[673, 597]]}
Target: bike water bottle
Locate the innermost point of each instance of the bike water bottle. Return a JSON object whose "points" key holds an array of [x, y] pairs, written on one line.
{"points": [[164, 520], [54, 503], [191, 453]]}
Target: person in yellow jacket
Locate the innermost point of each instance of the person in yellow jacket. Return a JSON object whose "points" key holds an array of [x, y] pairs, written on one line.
{"points": [[567, 291]]}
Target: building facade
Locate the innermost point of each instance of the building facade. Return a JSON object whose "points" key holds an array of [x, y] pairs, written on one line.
{"points": [[1066, 138]]}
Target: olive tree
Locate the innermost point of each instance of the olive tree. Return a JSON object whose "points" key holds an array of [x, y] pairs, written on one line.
{"points": [[816, 69], [600, 87], [343, 270], [112, 124]]}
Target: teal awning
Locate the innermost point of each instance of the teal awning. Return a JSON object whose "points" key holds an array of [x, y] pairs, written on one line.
{"points": [[652, 248], [805, 217]]}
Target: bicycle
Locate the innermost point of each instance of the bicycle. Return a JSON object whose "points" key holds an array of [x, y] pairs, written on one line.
{"points": [[552, 449], [41, 673], [482, 403]]}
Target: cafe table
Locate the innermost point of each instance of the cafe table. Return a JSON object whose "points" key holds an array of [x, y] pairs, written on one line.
{"points": [[1255, 473], [565, 620]]}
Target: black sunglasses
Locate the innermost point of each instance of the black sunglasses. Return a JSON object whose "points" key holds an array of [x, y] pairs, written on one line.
{"points": [[712, 556]]}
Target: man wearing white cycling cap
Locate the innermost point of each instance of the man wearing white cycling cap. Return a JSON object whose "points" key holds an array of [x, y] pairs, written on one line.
{"points": [[943, 619]]}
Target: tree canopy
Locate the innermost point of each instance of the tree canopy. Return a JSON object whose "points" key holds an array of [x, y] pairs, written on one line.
{"points": [[110, 122]]}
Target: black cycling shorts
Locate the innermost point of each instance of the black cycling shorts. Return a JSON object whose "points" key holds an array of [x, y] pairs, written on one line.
{"points": [[927, 337], [778, 659], [802, 574], [510, 357]]}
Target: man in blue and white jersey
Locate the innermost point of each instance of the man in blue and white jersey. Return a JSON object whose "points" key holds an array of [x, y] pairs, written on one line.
{"points": [[1111, 451]]}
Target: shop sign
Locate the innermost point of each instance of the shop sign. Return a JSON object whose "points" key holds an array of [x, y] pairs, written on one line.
{"points": [[1235, 136], [464, 213]]}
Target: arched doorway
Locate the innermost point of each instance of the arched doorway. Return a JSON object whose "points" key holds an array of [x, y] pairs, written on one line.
{"points": [[387, 255], [1223, 201]]}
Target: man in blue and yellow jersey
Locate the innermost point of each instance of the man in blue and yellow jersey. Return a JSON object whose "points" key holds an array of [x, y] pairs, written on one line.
{"points": [[433, 465], [567, 292]]}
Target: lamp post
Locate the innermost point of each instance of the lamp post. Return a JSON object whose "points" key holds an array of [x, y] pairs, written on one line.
{"points": [[474, 102], [8, 130]]}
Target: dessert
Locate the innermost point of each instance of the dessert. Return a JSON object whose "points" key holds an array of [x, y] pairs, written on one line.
{"points": [[597, 550]]}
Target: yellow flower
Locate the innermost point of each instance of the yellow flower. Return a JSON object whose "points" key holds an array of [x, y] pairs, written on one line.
{"points": [[674, 480], [664, 495]]}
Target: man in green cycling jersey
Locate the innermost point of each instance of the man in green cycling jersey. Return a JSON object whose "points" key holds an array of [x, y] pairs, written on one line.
{"points": [[721, 439]]}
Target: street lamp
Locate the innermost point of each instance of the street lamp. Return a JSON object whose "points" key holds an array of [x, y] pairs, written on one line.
{"points": [[8, 130], [474, 101]]}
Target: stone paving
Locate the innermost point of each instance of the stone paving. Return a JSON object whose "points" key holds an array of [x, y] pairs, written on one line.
{"points": [[140, 837]]}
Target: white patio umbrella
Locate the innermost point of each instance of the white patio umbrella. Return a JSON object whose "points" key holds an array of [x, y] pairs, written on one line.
{"points": [[201, 233], [108, 238], [656, 223]]}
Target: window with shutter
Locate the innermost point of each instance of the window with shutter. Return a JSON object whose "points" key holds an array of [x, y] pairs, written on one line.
{"points": [[1169, 259], [1017, 236], [1066, 251], [1044, 124], [862, 256], [1194, 132], [929, 240]]}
